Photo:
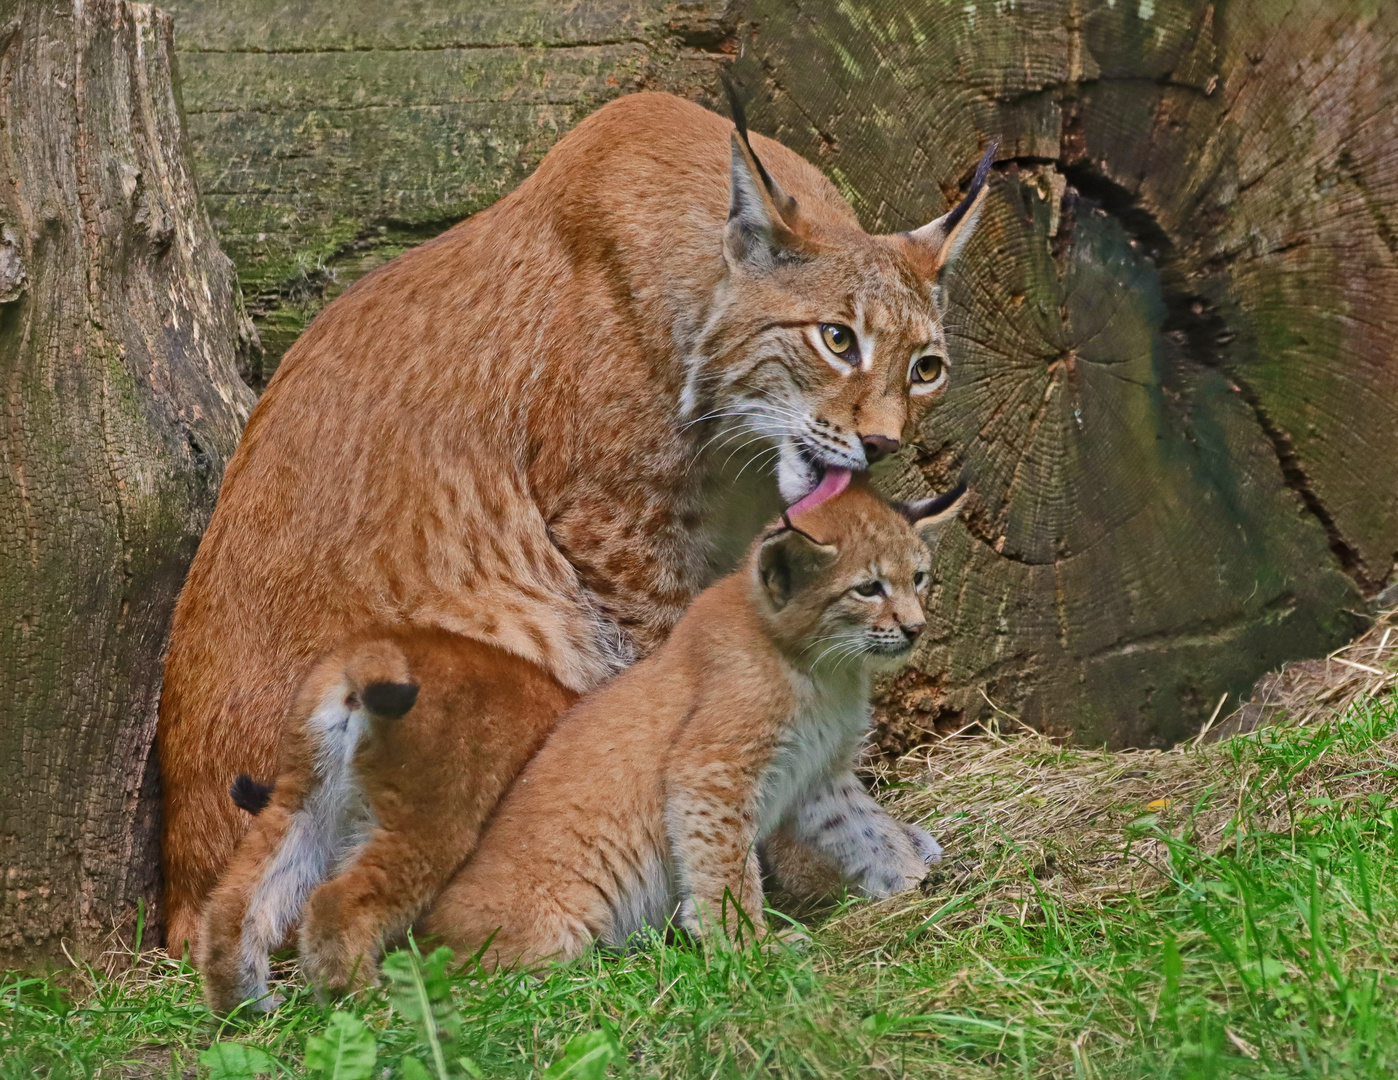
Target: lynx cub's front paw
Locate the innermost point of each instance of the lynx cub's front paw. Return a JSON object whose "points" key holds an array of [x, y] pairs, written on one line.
{"points": [[928, 849], [896, 860]]}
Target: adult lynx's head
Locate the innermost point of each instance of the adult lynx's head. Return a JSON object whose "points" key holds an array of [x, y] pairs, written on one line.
{"points": [[828, 341], [841, 585]]}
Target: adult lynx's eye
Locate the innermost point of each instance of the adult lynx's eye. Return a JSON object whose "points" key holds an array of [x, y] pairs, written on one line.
{"points": [[838, 339], [928, 369]]}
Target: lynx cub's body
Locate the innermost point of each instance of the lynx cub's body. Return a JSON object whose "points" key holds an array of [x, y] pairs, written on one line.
{"points": [[650, 799]]}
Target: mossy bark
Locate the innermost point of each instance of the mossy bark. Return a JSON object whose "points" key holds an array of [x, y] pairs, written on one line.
{"points": [[329, 137], [121, 406], [1176, 382]]}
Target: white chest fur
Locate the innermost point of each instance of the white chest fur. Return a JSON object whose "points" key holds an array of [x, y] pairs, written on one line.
{"points": [[821, 738]]}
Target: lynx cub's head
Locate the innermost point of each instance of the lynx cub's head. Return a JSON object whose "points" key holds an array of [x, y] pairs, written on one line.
{"points": [[828, 341], [841, 585]]}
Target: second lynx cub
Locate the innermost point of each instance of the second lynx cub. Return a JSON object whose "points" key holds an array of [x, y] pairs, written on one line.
{"points": [[650, 798]]}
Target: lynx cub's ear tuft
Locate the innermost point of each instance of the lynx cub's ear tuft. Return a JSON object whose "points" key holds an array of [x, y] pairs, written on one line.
{"points": [[927, 516], [761, 216], [787, 562], [389, 699], [945, 237]]}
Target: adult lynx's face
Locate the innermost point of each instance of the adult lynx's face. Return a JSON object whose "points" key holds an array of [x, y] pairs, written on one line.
{"points": [[829, 341]]}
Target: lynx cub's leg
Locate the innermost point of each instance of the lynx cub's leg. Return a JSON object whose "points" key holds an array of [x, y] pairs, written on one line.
{"points": [[879, 854], [713, 834]]}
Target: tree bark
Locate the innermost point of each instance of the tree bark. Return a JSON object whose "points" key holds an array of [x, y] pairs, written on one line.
{"points": [[1175, 379], [121, 406]]}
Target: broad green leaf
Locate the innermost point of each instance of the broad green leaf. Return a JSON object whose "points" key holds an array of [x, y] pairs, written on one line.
{"points": [[419, 988], [234, 1061], [471, 1068], [586, 1057], [346, 1051], [412, 1069]]}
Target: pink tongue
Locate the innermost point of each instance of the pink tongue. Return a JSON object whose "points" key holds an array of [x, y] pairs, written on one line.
{"points": [[831, 484]]}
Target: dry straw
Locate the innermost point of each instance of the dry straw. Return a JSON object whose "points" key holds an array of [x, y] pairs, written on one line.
{"points": [[1026, 819]]}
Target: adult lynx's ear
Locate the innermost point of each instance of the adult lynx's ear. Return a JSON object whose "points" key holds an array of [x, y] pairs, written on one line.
{"points": [[945, 237], [761, 216], [788, 561], [927, 516]]}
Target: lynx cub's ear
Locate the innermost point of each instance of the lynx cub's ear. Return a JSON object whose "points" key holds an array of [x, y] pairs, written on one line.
{"points": [[789, 559], [761, 215], [945, 237], [927, 516]]}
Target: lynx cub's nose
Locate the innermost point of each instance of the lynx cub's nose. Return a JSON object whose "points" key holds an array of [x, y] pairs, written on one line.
{"points": [[878, 447], [913, 631]]}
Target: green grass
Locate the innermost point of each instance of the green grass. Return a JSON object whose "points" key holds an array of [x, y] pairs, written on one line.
{"points": [[1248, 929]]}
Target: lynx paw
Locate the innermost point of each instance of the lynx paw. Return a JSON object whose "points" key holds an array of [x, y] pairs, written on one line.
{"points": [[331, 962], [897, 860], [267, 1003], [928, 850], [719, 924]]}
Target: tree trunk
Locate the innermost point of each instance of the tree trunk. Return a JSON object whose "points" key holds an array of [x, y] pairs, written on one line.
{"points": [[121, 406], [1175, 378]]}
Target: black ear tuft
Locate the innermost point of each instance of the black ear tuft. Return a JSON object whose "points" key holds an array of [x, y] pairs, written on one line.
{"points": [[250, 795], [933, 506], [389, 699], [735, 105], [740, 121], [977, 182]]}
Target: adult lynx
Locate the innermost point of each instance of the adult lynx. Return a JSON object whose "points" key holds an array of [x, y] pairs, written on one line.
{"points": [[516, 432]]}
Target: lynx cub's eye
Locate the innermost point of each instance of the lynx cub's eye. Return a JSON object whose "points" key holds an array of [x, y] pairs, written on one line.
{"points": [[920, 579], [839, 340], [869, 589], [928, 369]]}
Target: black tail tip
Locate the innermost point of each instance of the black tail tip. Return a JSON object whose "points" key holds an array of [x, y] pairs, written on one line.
{"points": [[389, 699], [249, 795]]}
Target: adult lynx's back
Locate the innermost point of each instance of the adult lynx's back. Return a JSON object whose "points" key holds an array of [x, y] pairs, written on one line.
{"points": [[501, 433]]}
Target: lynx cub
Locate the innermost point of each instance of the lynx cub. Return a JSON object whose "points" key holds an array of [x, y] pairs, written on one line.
{"points": [[650, 798]]}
